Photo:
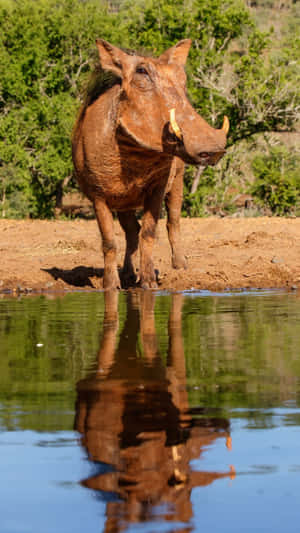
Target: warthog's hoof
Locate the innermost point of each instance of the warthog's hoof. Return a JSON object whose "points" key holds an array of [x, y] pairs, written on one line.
{"points": [[148, 284], [179, 261], [128, 279], [111, 281]]}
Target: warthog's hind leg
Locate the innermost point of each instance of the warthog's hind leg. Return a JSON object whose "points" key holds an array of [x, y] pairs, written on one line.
{"points": [[173, 203], [131, 228], [105, 221]]}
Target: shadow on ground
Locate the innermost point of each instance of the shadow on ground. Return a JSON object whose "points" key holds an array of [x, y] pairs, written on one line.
{"points": [[79, 276]]}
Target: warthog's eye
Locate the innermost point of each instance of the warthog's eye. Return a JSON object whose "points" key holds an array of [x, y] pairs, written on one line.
{"points": [[141, 70]]}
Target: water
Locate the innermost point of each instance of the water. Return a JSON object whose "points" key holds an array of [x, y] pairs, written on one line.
{"points": [[145, 412]]}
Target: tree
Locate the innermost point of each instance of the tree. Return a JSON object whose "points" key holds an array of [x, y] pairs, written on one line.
{"points": [[230, 67], [277, 181], [232, 70], [46, 54]]}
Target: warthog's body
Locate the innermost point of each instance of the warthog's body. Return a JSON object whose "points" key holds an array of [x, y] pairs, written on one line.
{"points": [[129, 152]]}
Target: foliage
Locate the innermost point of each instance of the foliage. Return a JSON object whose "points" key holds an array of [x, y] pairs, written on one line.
{"points": [[212, 26], [47, 51], [194, 203], [277, 181], [230, 68]]}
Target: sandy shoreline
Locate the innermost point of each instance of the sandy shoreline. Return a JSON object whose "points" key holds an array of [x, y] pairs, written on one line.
{"points": [[222, 253]]}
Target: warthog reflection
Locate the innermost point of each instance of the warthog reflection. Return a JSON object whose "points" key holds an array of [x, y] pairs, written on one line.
{"points": [[133, 415]]}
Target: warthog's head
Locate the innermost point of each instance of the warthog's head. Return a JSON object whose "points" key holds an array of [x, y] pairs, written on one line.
{"points": [[154, 110]]}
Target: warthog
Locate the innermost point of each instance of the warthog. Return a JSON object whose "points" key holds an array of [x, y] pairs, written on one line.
{"points": [[133, 135]]}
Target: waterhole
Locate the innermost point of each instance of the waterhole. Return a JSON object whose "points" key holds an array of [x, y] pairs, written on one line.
{"points": [[142, 411]]}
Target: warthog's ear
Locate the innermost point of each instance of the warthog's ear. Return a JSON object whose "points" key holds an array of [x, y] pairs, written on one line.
{"points": [[111, 57], [178, 53]]}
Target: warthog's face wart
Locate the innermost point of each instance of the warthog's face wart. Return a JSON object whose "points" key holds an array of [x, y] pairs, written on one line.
{"points": [[154, 111]]}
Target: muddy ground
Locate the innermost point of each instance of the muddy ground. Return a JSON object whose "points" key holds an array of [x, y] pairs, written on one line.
{"points": [[222, 253]]}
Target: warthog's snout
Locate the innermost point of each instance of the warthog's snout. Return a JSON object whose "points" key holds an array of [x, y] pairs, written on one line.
{"points": [[211, 141]]}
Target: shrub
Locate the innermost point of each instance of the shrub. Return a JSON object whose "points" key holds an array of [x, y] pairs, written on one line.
{"points": [[277, 181]]}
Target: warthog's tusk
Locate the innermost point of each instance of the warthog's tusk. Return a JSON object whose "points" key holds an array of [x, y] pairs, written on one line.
{"points": [[174, 124], [225, 126], [229, 443]]}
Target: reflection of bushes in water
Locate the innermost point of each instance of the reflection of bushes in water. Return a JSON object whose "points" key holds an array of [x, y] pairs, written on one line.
{"points": [[41, 378], [239, 350], [242, 350]]}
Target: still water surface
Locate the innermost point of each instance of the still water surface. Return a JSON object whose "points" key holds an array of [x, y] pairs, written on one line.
{"points": [[145, 412]]}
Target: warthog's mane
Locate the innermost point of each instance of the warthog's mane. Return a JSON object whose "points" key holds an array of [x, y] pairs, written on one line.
{"points": [[101, 80], [98, 83]]}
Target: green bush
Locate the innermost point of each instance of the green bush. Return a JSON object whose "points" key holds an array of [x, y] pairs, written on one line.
{"points": [[47, 50], [277, 180], [46, 53]]}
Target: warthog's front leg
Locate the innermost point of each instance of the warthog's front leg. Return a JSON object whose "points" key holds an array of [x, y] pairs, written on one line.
{"points": [[152, 208], [105, 221], [131, 227]]}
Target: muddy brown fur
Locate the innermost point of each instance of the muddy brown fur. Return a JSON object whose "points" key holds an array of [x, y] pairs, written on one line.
{"points": [[128, 156]]}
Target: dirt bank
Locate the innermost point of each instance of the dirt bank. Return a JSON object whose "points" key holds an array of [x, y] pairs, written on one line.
{"points": [[222, 253]]}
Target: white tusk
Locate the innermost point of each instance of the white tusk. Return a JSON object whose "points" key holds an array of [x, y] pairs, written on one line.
{"points": [[174, 124], [225, 126]]}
